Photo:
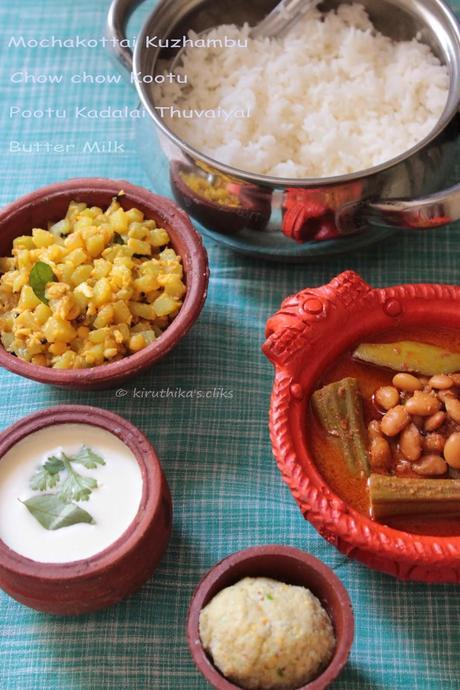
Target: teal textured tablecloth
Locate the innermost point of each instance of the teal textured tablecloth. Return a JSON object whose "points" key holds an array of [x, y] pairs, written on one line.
{"points": [[216, 452]]}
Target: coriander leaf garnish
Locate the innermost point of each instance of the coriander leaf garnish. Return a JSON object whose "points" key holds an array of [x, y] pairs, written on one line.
{"points": [[47, 476], [88, 458], [75, 487], [43, 480], [40, 275], [54, 465], [53, 513], [59, 473]]}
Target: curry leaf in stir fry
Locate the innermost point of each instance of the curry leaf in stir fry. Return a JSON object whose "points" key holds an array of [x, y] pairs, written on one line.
{"points": [[40, 275]]}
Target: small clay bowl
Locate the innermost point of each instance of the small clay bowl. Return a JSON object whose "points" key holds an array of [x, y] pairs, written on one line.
{"points": [[50, 203], [113, 574], [288, 565]]}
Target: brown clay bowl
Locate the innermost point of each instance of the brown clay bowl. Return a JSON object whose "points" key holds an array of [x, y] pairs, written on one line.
{"points": [[113, 574], [50, 203], [288, 565], [309, 332]]}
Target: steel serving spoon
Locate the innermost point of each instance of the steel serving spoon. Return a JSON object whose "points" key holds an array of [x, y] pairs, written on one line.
{"points": [[282, 17]]}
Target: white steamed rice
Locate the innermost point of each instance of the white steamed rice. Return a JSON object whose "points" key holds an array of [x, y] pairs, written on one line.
{"points": [[332, 97]]}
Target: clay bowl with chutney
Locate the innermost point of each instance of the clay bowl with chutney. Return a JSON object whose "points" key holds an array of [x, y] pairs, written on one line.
{"points": [[378, 478], [74, 568], [290, 566], [50, 204]]}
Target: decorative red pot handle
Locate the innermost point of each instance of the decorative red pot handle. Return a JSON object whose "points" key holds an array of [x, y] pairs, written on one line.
{"points": [[310, 214], [289, 331]]}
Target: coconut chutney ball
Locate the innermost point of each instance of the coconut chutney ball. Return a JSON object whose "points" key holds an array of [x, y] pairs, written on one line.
{"points": [[266, 635]]}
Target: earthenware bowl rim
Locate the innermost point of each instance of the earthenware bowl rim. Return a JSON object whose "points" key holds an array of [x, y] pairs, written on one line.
{"points": [[149, 505], [334, 584], [196, 279], [375, 538]]}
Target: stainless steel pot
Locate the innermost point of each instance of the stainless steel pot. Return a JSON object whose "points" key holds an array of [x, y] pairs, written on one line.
{"points": [[402, 192]]}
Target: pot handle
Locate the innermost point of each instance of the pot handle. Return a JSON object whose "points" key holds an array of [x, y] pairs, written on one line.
{"points": [[311, 315], [432, 211], [117, 19]]}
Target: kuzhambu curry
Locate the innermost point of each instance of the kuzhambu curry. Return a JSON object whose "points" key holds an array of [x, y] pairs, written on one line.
{"points": [[384, 428]]}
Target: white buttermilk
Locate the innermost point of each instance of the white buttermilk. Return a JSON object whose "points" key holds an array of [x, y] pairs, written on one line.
{"points": [[113, 504]]}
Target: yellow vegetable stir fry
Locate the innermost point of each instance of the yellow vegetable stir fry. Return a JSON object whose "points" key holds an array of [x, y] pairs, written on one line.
{"points": [[93, 288]]}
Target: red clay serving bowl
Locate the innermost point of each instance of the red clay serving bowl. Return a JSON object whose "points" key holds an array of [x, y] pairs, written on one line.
{"points": [[50, 204], [111, 575], [285, 564], [309, 332]]}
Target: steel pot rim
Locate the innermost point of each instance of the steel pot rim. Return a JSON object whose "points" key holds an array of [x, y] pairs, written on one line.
{"points": [[451, 108]]}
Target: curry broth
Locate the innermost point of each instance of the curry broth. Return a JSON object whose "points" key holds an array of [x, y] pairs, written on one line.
{"points": [[326, 452]]}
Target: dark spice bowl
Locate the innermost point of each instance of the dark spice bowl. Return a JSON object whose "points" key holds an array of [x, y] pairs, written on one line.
{"points": [[50, 204], [109, 576], [288, 565]]}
